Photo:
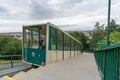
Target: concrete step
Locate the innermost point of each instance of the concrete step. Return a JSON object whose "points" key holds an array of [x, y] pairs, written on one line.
{"points": [[15, 70], [31, 72], [2, 78], [44, 72], [18, 75], [24, 74]]}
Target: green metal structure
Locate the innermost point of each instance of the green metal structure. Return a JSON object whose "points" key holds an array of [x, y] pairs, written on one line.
{"points": [[32, 51], [35, 56], [108, 29], [108, 61], [10, 61]]}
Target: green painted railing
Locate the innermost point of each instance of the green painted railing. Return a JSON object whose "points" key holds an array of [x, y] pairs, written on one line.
{"points": [[10, 61], [108, 62]]}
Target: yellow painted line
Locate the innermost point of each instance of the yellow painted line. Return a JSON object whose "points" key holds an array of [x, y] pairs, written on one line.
{"points": [[47, 66], [8, 78], [41, 68], [33, 71], [20, 76], [50, 65]]}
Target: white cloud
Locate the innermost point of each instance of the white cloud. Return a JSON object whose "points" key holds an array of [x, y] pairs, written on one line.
{"points": [[76, 14]]}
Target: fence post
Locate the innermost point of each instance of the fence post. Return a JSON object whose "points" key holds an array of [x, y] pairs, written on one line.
{"points": [[11, 62], [105, 65]]}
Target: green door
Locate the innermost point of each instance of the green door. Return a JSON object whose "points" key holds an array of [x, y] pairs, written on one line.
{"points": [[35, 56]]}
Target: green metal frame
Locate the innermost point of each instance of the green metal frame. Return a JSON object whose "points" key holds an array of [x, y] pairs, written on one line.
{"points": [[108, 29], [63, 44], [108, 61], [49, 46], [74, 48], [35, 56], [70, 47], [56, 32], [56, 39]]}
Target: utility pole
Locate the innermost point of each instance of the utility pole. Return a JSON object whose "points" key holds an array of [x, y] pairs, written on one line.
{"points": [[108, 29]]}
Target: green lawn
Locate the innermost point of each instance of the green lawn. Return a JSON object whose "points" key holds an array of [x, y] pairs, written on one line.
{"points": [[9, 61]]}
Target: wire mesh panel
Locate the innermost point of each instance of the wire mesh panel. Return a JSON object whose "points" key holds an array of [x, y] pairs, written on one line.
{"points": [[10, 61]]}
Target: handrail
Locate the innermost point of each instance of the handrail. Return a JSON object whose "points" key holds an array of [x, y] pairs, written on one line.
{"points": [[108, 62], [110, 47], [10, 55]]}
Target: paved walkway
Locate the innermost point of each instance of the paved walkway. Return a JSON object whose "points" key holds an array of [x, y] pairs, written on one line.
{"points": [[82, 67]]}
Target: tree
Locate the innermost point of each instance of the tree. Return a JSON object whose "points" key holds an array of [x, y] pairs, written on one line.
{"points": [[114, 37], [113, 26], [84, 41], [98, 35], [82, 38], [10, 46]]}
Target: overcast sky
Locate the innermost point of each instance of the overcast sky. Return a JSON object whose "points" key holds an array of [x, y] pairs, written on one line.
{"points": [[69, 14]]}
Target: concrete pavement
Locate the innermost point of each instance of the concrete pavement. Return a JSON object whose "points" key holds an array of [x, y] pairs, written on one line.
{"points": [[82, 67]]}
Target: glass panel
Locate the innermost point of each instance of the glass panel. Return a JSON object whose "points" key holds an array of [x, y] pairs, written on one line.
{"points": [[53, 39], [35, 37], [42, 37], [72, 45], [27, 38], [76, 47], [60, 40], [66, 43]]}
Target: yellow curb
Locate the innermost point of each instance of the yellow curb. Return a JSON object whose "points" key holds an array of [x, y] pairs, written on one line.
{"points": [[8, 78]]}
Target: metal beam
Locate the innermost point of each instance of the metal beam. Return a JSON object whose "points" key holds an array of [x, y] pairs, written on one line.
{"points": [[108, 29]]}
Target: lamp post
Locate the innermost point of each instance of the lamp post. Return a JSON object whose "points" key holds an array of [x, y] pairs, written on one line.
{"points": [[108, 29]]}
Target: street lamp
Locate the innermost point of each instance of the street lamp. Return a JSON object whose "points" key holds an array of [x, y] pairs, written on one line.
{"points": [[108, 29]]}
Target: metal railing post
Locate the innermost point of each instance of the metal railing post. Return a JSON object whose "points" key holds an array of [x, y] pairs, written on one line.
{"points": [[11, 61], [108, 29]]}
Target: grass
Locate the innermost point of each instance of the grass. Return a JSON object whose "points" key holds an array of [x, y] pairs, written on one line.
{"points": [[9, 61], [6, 64]]}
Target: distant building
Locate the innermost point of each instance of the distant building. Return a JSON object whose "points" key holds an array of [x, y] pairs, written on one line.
{"points": [[17, 35], [88, 34]]}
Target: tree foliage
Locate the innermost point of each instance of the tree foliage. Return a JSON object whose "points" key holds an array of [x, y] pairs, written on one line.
{"points": [[113, 26], [10, 46], [82, 38], [114, 37], [98, 35]]}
